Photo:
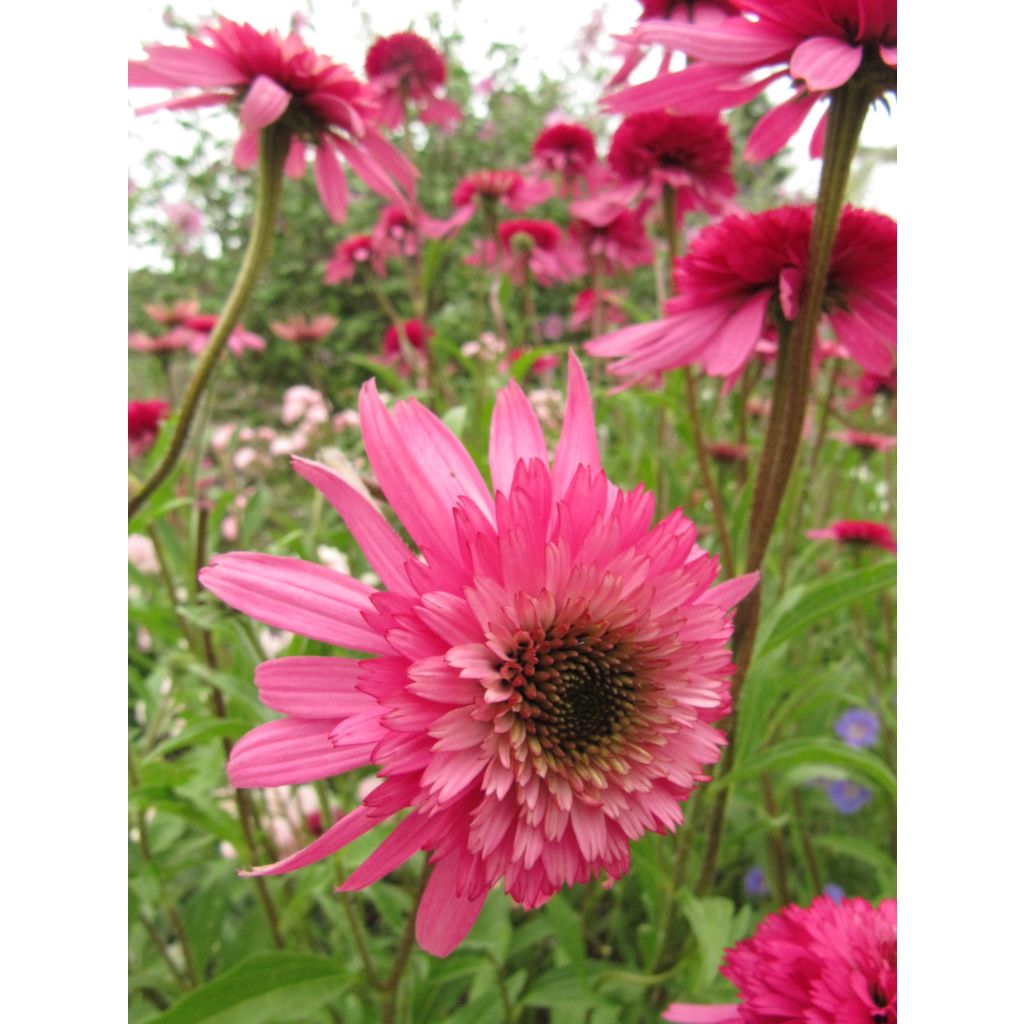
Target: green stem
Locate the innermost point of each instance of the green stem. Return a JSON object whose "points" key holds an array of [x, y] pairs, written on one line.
{"points": [[847, 109], [274, 143], [389, 987]]}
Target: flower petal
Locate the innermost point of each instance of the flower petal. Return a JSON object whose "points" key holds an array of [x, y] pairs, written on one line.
{"points": [[777, 127], [311, 687], [516, 436], [691, 1013], [577, 445], [330, 182], [444, 918], [264, 103], [739, 335], [416, 832], [825, 62]]}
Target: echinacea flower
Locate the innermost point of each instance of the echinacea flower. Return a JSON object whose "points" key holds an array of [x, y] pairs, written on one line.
{"points": [[351, 254], [404, 68], [139, 341], [279, 79], [727, 453], [857, 532], [819, 45], [196, 330], [144, 424], [542, 679], [865, 441], [833, 962], [584, 305], [172, 316], [857, 727], [509, 188], [869, 386], [539, 246], [744, 275], [689, 154], [302, 329], [565, 149], [610, 234]]}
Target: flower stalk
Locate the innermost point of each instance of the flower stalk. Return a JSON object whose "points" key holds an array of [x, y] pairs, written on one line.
{"points": [[274, 144]]}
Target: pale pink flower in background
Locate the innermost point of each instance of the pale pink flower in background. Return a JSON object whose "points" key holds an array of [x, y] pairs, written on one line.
{"points": [[818, 45], [302, 329], [222, 436], [142, 554], [279, 79], [489, 347], [229, 527], [351, 254], [139, 341], [244, 458], [543, 678], [548, 405], [172, 316], [347, 419], [304, 403], [185, 219], [195, 333]]}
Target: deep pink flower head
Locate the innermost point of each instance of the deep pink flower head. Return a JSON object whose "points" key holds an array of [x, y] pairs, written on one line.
{"points": [[543, 678], [567, 150], [508, 187], [195, 334], [829, 963], [417, 334], [870, 385], [746, 269], [144, 423], [138, 341], [612, 233], [583, 308], [349, 255], [818, 44], [865, 441], [404, 67], [539, 245], [302, 329], [859, 532], [280, 79], [691, 154]]}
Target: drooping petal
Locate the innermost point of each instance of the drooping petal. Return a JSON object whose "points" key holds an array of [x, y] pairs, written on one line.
{"points": [[416, 832], [330, 182], [295, 165], [247, 150], [264, 103], [288, 593], [444, 918], [197, 65], [290, 751], [825, 62], [516, 436], [312, 687], [734, 41], [777, 127], [739, 335], [692, 1013]]}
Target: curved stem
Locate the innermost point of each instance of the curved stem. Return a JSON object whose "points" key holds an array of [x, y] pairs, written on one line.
{"points": [[389, 987], [274, 142], [847, 109]]}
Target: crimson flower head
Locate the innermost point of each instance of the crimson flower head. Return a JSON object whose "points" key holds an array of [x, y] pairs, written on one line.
{"points": [[611, 233], [567, 150], [858, 532], [584, 305], [404, 67], [301, 329], [818, 45], [417, 334], [869, 386], [350, 255], [507, 187], [865, 441], [537, 244], [279, 79], [144, 424], [744, 275], [690, 154], [543, 676], [829, 963]]}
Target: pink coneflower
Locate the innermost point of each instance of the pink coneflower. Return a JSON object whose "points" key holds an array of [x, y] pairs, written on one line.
{"points": [[417, 334], [689, 154], [611, 233], [583, 308], [864, 441], [196, 331], [567, 150], [833, 962], [858, 532], [172, 316], [537, 244], [351, 254], [728, 453], [139, 341], [302, 329], [818, 44], [543, 679], [185, 219], [747, 269], [507, 187], [279, 79], [144, 424], [405, 68], [870, 385]]}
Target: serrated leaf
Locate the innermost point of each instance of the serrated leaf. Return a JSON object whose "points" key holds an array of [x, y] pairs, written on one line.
{"points": [[266, 988]]}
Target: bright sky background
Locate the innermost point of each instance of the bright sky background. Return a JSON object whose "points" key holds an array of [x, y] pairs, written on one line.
{"points": [[547, 32]]}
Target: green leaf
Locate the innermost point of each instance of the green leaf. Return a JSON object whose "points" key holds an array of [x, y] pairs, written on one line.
{"points": [[866, 852], [711, 920], [203, 731], [825, 598], [793, 753], [563, 988], [267, 988]]}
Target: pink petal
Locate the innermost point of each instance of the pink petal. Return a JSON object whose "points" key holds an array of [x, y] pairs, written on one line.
{"points": [[734, 41], [739, 335], [369, 170], [392, 160], [578, 444], [515, 436], [341, 833], [264, 103], [866, 345], [204, 99], [290, 751], [199, 65], [415, 833], [726, 595], [690, 1013], [288, 593], [790, 282], [888, 54], [825, 62], [817, 147], [311, 687], [247, 150], [777, 127], [330, 182], [384, 549], [295, 165], [444, 918]]}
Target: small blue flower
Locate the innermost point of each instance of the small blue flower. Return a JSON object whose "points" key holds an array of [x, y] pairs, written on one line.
{"points": [[857, 727], [754, 883], [848, 797], [833, 892]]}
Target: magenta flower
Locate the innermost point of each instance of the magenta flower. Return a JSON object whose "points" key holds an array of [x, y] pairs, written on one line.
{"points": [[507, 187], [567, 150], [302, 329], [172, 316], [405, 68], [583, 308], [400, 230], [144, 424], [350, 255], [275, 79], [830, 963], [819, 45], [608, 232], [743, 268], [539, 245], [858, 532], [543, 678], [690, 154], [417, 334], [196, 330]]}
